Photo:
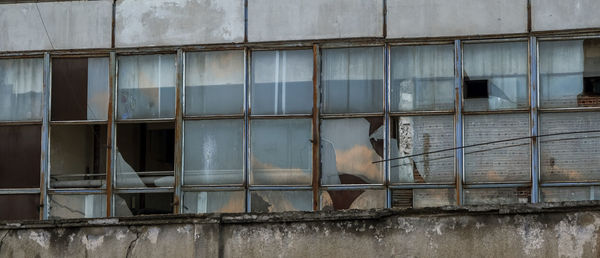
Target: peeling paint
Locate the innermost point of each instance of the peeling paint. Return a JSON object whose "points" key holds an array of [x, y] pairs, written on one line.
{"points": [[152, 234], [92, 242], [41, 237]]}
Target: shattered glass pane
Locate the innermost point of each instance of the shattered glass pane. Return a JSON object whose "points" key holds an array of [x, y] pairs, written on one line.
{"points": [[145, 155], [420, 135], [563, 194], [495, 76], [79, 89], [497, 196], [21, 82], [20, 154], [208, 202], [143, 203], [22, 206], [348, 149], [281, 152], [278, 201], [78, 156], [569, 157], [352, 80], [569, 73], [146, 87], [214, 152], [64, 206], [214, 83], [352, 199], [422, 78], [506, 161], [282, 82]]}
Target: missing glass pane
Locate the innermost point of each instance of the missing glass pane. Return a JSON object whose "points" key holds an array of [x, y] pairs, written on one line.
{"points": [[78, 156], [143, 203], [278, 201], [20, 154], [145, 156], [79, 89], [63, 206], [476, 89], [19, 207], [352, 199]]}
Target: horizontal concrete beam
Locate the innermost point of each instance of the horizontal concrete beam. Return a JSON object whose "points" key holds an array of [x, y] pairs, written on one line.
{"points": [[178, 22], [549, 15], [276, 20], [58, 25], [441, 18], [532, 230]]}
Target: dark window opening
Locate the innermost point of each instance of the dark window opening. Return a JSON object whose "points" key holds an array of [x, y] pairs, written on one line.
{"points": [[20, 207], [143, 203], [476, 89], [20, 154]]}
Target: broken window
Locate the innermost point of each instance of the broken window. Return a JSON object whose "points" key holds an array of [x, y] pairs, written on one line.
{"points": [[282, 82], [146, 87], [422, 78], [132, 204], [278, 201], [569, 157], [495, 76], [66, 206], [414, 137], [505, 161], [352, 199], [20, 206], [21, 89], [352, 80], [420, 198], [214, 83], [218, 201], [348, 148], [214, 152], [145, 155], [569, 73], [78, 156], [497, 196], [20, 155], [79, 89], [281, 152], [564, 194]]}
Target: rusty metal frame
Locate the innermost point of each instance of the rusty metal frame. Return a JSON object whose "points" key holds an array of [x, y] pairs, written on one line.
{"points": [[534, 118], [178, 148], [45, 175], [459, 170]]}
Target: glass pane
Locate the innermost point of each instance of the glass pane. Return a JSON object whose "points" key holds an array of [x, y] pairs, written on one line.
{"points": [[422, 78], [495, 76], [78, 156], [419, 135], [21, 82], [79, 89], [77, 206], [348, 149], [143, 203], [497, 196], [352, 80], [207, 202], [506, 161], [281, 152], [214, 152], [570, 73], [352, 199], [20, 154], [420, 198], [564, 194], [569, 157], [146, 87], [282, 82], [145, 155], [214, 83], [278, 201], [21, 207]]}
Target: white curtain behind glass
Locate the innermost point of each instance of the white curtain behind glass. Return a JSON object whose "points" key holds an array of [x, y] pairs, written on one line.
{"points": [[561, 72], [21, 89]]}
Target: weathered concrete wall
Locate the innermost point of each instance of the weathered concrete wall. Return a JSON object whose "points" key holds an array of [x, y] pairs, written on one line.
{"points": [[59, 25], [437, 18], [562, 15], [178, 22], [548, 230], [274, 20]]}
